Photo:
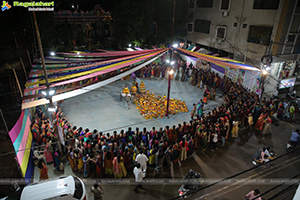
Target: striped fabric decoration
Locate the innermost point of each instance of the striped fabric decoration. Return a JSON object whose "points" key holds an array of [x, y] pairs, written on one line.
{"points": [[21, 138]]}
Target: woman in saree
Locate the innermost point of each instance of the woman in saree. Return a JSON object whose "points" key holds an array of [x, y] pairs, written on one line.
{"points": [[127, 156], [99, 164], [260, 122], [47, 152], [191, 146], [78, 156], [200, 108], [204, 139], [272, 109], [174, 133], [180, 132], [122, 165], [176, 152], [57, 161], [71, 159], [116, 167], [108, 165], [267, 128], [43, 170], [197, 138], [235, 129]]}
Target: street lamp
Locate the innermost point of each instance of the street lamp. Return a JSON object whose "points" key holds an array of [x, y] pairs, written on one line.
{"points": [[169, 87], [264, 72], [52, 53], [48, 93], [129, 45], [175, 45]]}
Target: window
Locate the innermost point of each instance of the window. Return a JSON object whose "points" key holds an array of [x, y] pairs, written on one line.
{"points": [[224, 4], [235, 24], [244, 25], [260, 35], [205, 3], [202, 26], [266, 4], [190, 27], [221, 32], [192, 4]]}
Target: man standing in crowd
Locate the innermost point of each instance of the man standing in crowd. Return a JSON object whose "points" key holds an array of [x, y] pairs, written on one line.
{"points": [[142, 160], [139, 175], [97, 191]]}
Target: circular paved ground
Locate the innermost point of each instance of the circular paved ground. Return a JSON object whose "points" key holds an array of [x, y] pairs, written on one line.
{"points": [[102, 109]]}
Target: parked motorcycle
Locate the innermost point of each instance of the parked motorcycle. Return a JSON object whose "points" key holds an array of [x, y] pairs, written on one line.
{"points": [[192, 185], [256, 160]]}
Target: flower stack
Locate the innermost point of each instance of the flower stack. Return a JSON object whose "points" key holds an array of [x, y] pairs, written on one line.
{"points": [[151, 106], [125, 90], [133, 88], [142, 88]]}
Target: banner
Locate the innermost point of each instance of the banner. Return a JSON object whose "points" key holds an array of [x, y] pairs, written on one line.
{"points": [[249, 79], [21, 138]]}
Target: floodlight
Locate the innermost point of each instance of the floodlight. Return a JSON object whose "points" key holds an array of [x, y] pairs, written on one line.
{"points": [[51, 92]]}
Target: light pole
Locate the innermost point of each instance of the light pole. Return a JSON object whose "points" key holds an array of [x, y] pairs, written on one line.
{"points": [[48, 93], [169, 87], [173, 21], [264, 75]]}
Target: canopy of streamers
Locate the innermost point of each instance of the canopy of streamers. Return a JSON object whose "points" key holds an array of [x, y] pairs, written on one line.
{"points": [[217, 60], [75, 73], [21, 138]]}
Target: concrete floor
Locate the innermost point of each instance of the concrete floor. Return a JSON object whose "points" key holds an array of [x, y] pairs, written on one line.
{"points": [[102, 109]]}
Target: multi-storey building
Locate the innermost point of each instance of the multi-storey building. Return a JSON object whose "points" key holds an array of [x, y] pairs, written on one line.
{"points": [[261, 33]]}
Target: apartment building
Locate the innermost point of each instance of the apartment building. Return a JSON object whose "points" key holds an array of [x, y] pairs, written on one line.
{"points": [[261, 33]]}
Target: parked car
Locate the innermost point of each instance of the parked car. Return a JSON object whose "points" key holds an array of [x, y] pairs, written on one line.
{"points": [[66, 188]]}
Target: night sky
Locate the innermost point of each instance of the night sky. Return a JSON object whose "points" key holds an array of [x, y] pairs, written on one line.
{"points": [[85, 5]]}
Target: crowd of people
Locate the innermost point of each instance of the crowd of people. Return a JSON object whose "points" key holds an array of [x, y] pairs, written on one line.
{"points": [[96, 154]]}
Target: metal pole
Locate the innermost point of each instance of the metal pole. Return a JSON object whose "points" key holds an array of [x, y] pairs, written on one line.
{"points": [[168, 98], [18, 82], [40, 48], [4, 121], [173, 21], [29, 57], [23, 68], [15, 40]]}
